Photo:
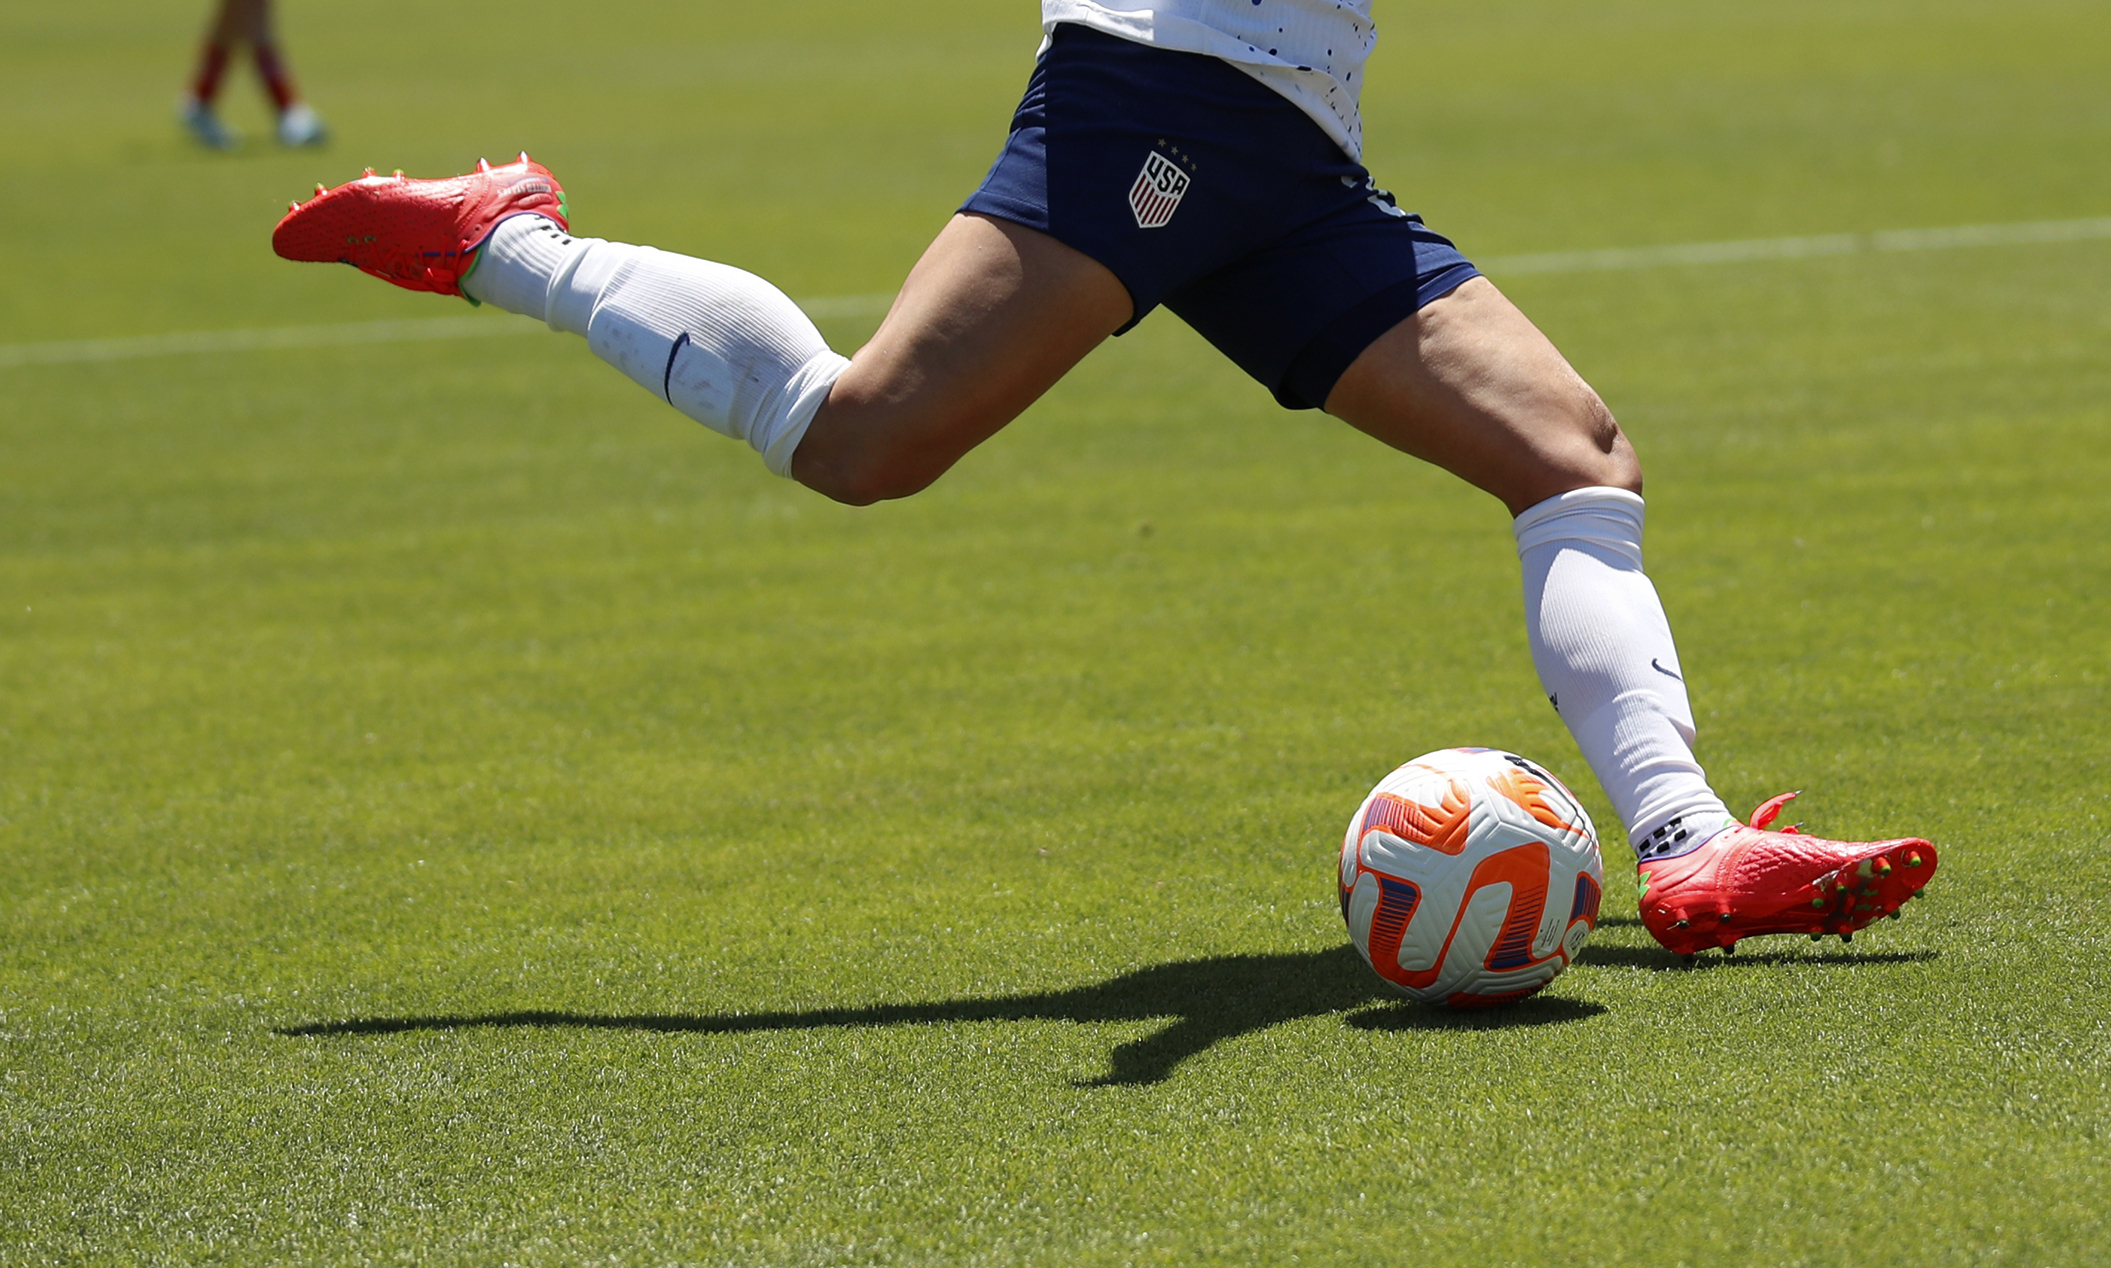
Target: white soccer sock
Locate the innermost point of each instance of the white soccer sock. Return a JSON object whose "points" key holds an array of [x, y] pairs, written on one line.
{"points": [[721, 345], [514, 266], [1604, 653]]}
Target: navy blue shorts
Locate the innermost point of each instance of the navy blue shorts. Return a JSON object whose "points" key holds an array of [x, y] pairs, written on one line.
{"points": [[1205, 190]]}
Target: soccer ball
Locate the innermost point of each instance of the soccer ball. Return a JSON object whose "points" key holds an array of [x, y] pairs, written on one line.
{"points": [[1470, 877]]}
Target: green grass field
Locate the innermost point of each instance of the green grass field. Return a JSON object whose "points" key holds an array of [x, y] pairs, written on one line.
{"points": [[454, 810]]}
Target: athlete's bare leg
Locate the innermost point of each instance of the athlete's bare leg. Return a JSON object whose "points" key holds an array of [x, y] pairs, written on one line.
{"points": [[991, 316], [242, 22], [1470, 384], [994, 313], [233, 24]]}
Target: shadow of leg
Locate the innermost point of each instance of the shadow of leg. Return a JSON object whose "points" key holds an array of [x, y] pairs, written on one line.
{"points": [[1540, 1010], [1152, 1058]]}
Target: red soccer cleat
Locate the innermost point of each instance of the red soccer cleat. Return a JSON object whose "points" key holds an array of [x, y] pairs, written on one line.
{"points": [[1747, 881], [421, 235]]}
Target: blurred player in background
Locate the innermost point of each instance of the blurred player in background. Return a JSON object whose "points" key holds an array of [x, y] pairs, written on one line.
{"points": [[1204, 155], [235, 23]]}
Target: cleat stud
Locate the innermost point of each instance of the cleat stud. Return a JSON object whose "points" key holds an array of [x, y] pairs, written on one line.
{"points": [[1817, 902], [1729, 948], [483, 165], [366, 173], [1891, 915], [398, 174], [1680, 924], [1913, 859], [321, 188], [296, 205], [1847, 937], [523, 157], [1817, 937]]}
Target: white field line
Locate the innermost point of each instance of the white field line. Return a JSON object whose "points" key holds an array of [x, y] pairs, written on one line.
{"points": [[465, 327], [253, 340], [2027, 233]]}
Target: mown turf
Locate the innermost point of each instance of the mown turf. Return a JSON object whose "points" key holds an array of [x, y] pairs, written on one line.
{"points": [[452, 810]]}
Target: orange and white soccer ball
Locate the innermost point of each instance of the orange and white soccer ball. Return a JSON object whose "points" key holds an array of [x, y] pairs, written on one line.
{"points": [[1470, 877]]}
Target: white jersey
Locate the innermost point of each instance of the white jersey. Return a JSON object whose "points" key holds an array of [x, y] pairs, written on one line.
{"points": [[1311, 51]]}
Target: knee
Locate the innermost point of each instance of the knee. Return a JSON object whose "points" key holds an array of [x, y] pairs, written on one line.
{"points": [[1586, 450], [861, 486], [1605, 457], [868, 444], [860, 472]]}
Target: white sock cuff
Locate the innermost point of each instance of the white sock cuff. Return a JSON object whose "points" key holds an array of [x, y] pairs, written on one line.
{"points": [[1601, 515], [516, 261], [777, 437], [576, 283]]}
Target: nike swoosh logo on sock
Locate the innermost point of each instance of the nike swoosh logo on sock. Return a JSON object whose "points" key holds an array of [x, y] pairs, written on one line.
{"points": [[1660, 669], [667, 377]]}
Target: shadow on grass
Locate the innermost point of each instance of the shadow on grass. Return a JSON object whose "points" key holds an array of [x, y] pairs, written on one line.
{"points": [[1660, 959], [1209, 1001], [1820, 959], [1649, 957]]}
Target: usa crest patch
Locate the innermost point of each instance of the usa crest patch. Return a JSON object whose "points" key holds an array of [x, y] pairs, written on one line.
{"points": [[1158, 190]]}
